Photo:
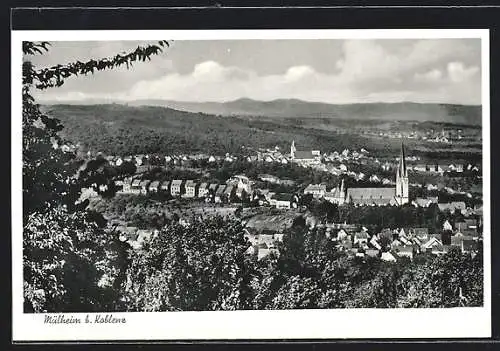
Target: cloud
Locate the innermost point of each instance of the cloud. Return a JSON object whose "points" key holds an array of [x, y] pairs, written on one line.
{"points": [[434, 75], [365, 71], [459, 73]]}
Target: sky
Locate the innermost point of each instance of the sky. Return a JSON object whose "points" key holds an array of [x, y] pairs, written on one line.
{"points": [[324, 70]]}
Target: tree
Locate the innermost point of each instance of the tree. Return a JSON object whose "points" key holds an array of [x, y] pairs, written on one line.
{"points": [[71, 263], [194, 268]]}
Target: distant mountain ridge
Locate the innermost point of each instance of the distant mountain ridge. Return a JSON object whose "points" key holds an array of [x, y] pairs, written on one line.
{"points": [[283, 108]]}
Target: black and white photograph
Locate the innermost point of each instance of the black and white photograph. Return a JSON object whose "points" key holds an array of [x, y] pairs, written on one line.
{"points": [[240, 175]]}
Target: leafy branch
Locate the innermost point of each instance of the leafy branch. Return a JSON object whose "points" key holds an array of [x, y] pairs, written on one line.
{"points": [[56, 75]]}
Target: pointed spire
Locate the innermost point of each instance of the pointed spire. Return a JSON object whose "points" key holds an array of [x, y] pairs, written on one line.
{"points": [[402, 162]]}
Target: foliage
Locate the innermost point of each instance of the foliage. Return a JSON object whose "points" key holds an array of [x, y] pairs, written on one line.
{"points": [[71, 263], [199, 267]]}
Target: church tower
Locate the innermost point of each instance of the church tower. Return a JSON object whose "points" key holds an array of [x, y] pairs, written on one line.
{"points": [[292, 150], [402, 179]]}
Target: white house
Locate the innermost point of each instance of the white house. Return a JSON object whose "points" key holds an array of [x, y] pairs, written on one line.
{"points": [[203, 190], [284, 201], [447, 226], [317, 190], [175, 187], [190, 189], [388, 257], [144, 186], [154, 186]]}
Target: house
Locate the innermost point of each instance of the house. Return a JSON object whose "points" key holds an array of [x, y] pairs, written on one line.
{"points": [[433, 245], [424, 202], [361, 238], [464, 228], [469, 246], [139, 160], [269, 158], [471, 223], [346, 245], [278, 236], [118, 161], [154, 186], [404, 239], [316, 190], [240, 193], [144, 186], [126, 185], [143, 236], [211, 159], [452, 206], [458, 239], [229, 192], [283, 200], [165, 186], [135, 187], [405, 251], [342, 235], [252, 250], [270, 198], [175, 187], [265, 250], [241, 182], [396, 244], [203, 190], [269, 178], [388, 257], [360, 254], [374, 242], [372, 252], [447, 226], [190, 189], [421, 233], [219, 193]]}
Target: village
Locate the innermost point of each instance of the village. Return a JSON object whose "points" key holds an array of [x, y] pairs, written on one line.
{"points": [[268, 214]]}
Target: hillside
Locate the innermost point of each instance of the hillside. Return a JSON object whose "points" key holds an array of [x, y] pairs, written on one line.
{"points": [[123, 130], [404, 111], [120, 129]]}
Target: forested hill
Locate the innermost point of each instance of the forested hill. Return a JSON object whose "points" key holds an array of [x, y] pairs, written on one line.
{"points": [[121, 130], [404, 111]]}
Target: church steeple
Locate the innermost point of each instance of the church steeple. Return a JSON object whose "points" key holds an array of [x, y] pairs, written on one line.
{"points": [[402, 191], [292, 150], [403, 172]]}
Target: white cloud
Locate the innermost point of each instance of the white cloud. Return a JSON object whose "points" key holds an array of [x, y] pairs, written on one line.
{"points": [[429, 76], [459, 73], [298, 72], [424, 70]]}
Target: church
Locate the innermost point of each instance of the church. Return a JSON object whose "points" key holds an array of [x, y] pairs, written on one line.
{"points": [[397, 196]]}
